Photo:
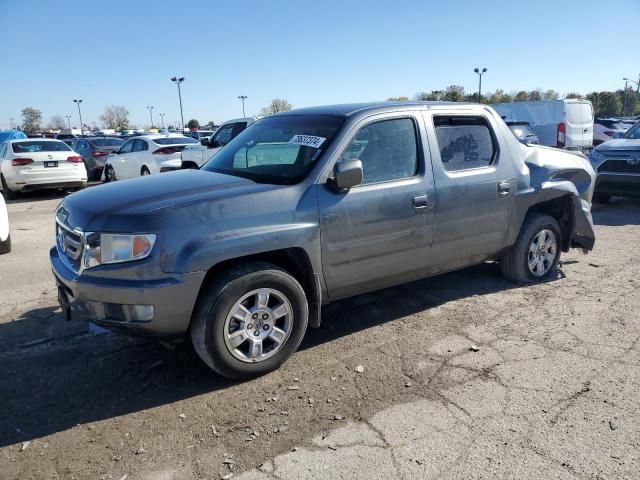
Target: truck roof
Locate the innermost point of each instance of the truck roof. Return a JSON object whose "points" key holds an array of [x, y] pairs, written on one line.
{"points": [[350, 109]]}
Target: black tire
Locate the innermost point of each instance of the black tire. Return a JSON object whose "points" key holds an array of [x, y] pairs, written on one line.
{"points": [[601, 198], [144, 171], [8, 193], [215, 301], [514, 264], [5, 247], [109, 174]]}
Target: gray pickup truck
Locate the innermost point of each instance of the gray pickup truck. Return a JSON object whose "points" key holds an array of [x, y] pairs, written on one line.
{"points": [[310, 206]]}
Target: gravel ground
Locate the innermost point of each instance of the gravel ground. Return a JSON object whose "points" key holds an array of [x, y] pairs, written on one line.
{"points": [[463, 376]]}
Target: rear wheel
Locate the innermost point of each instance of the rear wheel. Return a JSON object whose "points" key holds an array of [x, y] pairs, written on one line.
{"points": [[5, 247], [8, 193], [109, 174], [535, 255], [249, 320]]}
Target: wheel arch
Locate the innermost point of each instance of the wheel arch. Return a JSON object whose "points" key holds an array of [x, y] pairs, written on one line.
{"points": [[562, 209], [294, 260]]}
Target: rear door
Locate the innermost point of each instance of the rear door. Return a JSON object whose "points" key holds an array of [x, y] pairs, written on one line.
{"points": [[475, 182], [579, 125]]}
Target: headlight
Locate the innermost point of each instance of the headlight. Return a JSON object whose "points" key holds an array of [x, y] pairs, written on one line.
{"points": [[104, 248], [596, 157]]}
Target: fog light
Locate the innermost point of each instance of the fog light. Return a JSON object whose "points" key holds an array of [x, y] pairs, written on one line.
{"points": [[139, 313]]}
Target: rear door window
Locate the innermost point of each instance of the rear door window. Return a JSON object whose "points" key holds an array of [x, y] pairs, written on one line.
{"points": [[140, 146], [464, 142], [579, 113]]}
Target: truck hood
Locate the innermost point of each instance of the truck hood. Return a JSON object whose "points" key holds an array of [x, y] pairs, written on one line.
{"points": [[619, 144], [121, 206]]}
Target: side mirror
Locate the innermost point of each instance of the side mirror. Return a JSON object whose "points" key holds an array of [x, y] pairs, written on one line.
{"points": [[115, 152], [348, 174], [204, 141]]}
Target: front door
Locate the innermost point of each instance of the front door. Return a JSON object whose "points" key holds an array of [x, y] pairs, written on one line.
{"points": [[379, 233], [475, 184]]}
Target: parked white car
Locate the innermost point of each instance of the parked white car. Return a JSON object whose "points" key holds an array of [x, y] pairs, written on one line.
{"points": [[197, 155], [36, 163], [146, 155], [605, 129], [5, 233], [564, 123]]}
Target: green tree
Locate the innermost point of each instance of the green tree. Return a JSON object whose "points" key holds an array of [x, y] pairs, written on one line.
{"points": [[573, 95], [521, 96], [434, 95], [31, 118], [499, 96], [193, 123], [454, 93], [398, 99], [551, 95], [605, 104], [535, 95]]}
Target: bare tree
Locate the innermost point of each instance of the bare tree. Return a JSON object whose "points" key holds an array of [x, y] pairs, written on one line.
{"points": [[398, 99], [116, 117], [56, 122], [551, 95], [277, 105]]}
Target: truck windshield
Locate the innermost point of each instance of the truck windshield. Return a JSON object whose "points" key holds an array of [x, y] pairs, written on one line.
{"points": [[278, 149], [633, 133]]}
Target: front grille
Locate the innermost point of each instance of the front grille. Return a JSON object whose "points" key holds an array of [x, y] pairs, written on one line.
{"points": [[620, 166], [70, 245]]}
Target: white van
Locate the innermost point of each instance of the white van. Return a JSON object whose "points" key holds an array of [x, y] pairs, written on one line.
{"points": [[558, 123]]}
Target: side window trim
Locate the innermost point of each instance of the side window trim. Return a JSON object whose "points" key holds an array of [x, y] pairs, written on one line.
{"points": [[467, 171], [418, 143]]}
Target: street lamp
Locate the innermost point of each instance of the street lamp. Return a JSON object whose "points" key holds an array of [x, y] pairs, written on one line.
{"points": [[162, 119], [151, 114], [69, 121], [480, 73], [178, 81], [637, 84], [11, 123], [78, 102], [243, 98]]}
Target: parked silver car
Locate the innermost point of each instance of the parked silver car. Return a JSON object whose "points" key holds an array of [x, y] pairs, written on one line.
{"points": [[309, 206]]}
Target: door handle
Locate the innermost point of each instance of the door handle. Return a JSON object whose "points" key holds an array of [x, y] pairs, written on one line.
{"points": [[504, 189], [420, 203]]}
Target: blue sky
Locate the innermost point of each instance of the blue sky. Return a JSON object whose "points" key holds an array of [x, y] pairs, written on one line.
{"points": [[311, 53]]}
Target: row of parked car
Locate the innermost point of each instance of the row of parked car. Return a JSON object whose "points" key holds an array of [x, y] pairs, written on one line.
{"points": [[29, 164]]}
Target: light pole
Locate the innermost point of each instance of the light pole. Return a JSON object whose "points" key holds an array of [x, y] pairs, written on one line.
{"points": [[78, 102], [151, 114], [178, 81], [243, 98], [11, 123], [162, 119], [637, 84], [480, 73], [69, 121]]}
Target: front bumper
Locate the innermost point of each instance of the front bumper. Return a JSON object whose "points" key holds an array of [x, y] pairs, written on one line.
{"points": [[623, 184], [119, 296]]}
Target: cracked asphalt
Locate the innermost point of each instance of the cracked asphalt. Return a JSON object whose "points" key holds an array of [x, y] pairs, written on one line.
{"points": [[464, 376]]}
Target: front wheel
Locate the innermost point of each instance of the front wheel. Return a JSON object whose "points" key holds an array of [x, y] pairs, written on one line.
{"points": [[249, 320], [109, 174], [535, 255]]}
